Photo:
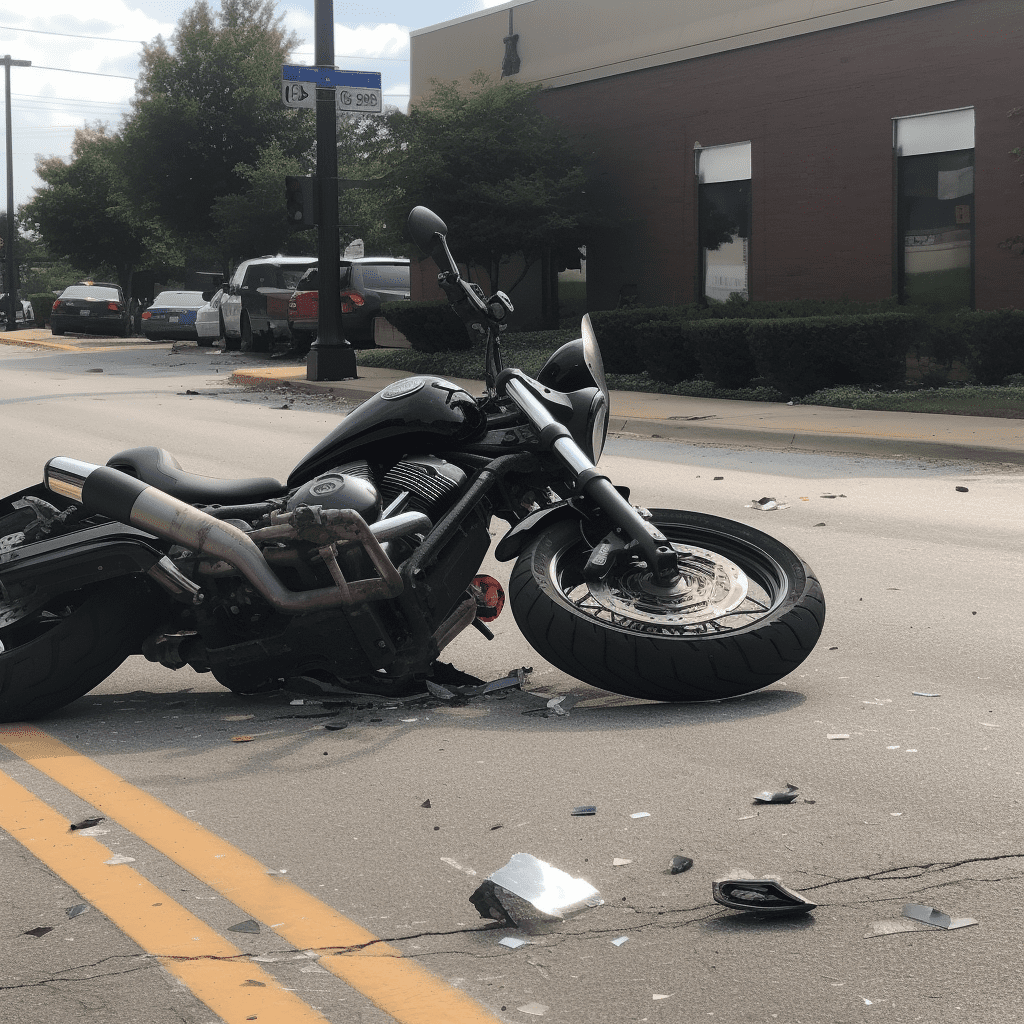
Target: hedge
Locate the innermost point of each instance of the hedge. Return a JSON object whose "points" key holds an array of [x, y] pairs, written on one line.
{"points": [[665, 352], [42, 304], [992, 342], [429, 326]]}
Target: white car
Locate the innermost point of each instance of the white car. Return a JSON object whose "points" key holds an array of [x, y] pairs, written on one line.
{"points": [[209, 324]]}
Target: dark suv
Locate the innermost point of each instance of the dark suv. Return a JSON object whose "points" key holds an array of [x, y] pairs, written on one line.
{"points": [[255, 303], [365, 284]]}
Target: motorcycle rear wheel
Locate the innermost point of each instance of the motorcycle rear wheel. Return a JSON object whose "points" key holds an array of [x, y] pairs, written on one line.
{"points": [[747, 611], [62, 651]]}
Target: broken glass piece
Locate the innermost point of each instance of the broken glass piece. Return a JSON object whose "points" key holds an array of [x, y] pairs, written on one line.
{"points": [[680, 864], [929, 915], [85, 823], [527, 889], [762, 895], [782, 796], [76, 911], [620, 941], [249, 927], [537, 1009], [513, 943], [119, 858], [891, 928], [579, 812]]}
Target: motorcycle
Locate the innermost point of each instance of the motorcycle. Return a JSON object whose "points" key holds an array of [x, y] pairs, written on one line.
{"points": [[357, 572]]}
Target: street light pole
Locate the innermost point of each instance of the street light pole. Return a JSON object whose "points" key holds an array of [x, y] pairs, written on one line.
{"points": [[331, 357], [10, 285]]}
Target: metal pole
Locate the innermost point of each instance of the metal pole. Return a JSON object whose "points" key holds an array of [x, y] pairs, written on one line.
{"points": [[10, 265], [331, 357]]}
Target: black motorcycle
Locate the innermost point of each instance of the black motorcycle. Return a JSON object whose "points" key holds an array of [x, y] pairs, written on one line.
{"points": [[355, 574]]}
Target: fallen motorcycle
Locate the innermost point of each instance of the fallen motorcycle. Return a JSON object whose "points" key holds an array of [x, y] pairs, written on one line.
{"points": [[358, 571]]}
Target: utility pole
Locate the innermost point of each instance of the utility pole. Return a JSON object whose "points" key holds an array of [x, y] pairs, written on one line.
{"points": [[10, 264], [331, 357]]}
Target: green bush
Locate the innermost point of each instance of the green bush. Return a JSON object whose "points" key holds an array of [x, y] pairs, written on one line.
{"points": [[429, 326], [721, 350], [992, 342], [665, 352], [617, 331], [804, 354], [42, 304]]}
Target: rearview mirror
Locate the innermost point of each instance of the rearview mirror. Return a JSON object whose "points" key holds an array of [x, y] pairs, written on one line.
{"points": [[424, 227]]}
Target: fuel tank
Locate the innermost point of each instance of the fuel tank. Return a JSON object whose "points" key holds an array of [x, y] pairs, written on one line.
{"points": [[416, 415]]}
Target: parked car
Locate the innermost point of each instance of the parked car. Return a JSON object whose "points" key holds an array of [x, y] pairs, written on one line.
{"points": [[365, 284], [209, 322], [92, 307], [255, 307], [23, 312], [172, 315]]}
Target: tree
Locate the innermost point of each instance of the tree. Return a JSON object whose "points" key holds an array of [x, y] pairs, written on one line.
{"points": [[505, 178], [207, 110], [83, 212]]}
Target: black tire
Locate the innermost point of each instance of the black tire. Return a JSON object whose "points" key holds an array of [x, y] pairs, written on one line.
{"points": [[251, 341], [205, 342], [55, 330], [609, 640], [61, 652]]}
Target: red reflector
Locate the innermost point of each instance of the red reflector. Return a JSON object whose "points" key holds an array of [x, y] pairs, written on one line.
{"points": [[115, 306], [490, 598], [354, 298]]}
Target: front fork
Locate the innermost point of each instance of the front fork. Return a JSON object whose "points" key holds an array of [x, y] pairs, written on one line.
{"points": [[653, 545]]}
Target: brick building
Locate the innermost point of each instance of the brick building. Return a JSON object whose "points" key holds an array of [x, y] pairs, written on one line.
{"points": [[779, 150]]}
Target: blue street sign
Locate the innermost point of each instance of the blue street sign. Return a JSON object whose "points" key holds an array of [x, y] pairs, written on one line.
{"points": [[328, 78]]}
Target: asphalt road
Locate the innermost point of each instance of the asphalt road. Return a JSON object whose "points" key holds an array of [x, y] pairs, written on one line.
{"points": [[919, 804]]}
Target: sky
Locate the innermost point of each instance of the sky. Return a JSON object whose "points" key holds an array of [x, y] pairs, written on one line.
{"points": [[85, 59]]}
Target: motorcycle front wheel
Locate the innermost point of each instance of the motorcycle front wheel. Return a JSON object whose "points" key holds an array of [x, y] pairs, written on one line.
{"points": [[745, 612]]}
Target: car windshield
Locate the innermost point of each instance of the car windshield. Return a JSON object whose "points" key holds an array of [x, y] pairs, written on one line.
{"points": [[86, 291], [291, 276], [385, 275], [190, 300]]}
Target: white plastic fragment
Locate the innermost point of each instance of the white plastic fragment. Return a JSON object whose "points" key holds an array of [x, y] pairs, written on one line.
{"points": [[657, 996], [120, 858], [513, 943], [641, 814], [620, 941], [837, 736], [921, 693], [296, 702], [537, 1009], [618, 862], [766, 504], [929, 915]]}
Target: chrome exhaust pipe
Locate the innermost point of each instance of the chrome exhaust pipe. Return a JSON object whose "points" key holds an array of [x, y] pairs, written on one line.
{"points": [[114, 494]]}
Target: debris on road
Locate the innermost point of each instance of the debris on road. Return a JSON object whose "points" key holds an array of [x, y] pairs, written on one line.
{"points": [[513, 943], [120, 858], [782, 796], [241, 739], [335, 726], [622, 940], [37, 932], [250, 927], [426, 803], [85, 823], [761, 895], [891, 927], [537, 1009], [963, 490], [767, 504], [837, 736], [527, 890], [921, 693], [641, 814], [277, 871], [581, 812], [77, 910], [679, 864], [929, 915], [618, 862]]}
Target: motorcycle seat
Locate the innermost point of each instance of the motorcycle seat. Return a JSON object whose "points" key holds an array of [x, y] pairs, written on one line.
{"points": [[160, 468]]}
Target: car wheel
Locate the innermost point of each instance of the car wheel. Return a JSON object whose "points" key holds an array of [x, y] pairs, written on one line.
{"points": [[205, 342], [54, 329], [253, 341]]}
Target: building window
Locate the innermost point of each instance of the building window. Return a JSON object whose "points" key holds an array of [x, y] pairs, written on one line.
{"points": [[935, 208], [723, 220]]}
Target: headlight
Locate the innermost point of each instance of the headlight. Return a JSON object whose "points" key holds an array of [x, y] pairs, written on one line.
{"points": [[598, 426]]}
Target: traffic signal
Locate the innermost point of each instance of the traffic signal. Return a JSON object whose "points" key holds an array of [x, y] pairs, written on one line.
{"points": [[303, 208]]}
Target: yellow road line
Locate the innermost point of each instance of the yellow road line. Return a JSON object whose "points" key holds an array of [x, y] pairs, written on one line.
{"points": [[150, 917], [398, 986]]}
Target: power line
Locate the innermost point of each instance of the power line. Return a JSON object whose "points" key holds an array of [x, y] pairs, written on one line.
{"points": [[71, 35], [72, 71]]}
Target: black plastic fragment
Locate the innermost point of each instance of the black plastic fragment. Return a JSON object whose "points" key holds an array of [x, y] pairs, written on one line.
{"points": [[426, 803], [37, 932], [249, 927], [579, 812], [335, 726], [680, 864], [85, 823], [782, 796], [760, 895]]}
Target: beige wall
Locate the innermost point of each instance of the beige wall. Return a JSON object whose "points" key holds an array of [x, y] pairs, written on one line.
{"points": [[564, 42]]}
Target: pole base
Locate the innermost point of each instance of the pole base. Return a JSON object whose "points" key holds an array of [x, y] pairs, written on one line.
{"points": [[331, 362]]}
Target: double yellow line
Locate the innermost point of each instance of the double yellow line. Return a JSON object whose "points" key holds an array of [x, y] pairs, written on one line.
{"points": [[188, 948]]}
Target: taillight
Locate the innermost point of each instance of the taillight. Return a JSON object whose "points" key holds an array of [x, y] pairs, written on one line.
{"points": [[115, 306], [349, 300], [307, 305], [147, 315], [56, 306]]}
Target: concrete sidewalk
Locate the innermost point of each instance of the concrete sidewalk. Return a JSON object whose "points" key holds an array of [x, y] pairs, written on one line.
{"points": [[719, 421], [701, 420]]}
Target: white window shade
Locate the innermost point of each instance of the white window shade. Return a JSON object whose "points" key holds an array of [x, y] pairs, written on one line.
{"points": [[723, 163], [942, 132]]}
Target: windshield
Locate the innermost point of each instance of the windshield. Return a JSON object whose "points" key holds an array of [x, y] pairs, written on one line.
{"points": [[84, 291], [385, 275], [193, 300]]}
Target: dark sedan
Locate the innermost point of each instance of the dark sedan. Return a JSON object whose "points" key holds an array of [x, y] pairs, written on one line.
{"points": [[173, 315], [93, 308]]}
